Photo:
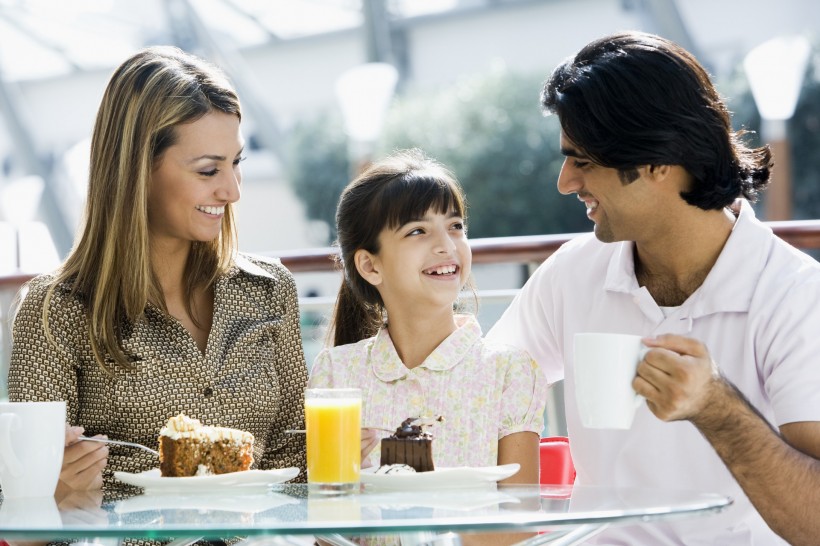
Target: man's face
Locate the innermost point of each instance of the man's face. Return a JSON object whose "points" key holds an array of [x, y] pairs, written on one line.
{"points": [[616, 208]]}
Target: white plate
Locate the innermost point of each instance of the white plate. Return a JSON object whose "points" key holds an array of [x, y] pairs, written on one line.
{"points": [[153, 482], [440, 478], [246, 504]]}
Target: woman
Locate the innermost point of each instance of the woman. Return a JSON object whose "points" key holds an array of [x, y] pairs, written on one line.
{"points": [[154, 312]]}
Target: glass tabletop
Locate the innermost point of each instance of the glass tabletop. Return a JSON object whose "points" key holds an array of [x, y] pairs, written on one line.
{"points": [[291, 509]]}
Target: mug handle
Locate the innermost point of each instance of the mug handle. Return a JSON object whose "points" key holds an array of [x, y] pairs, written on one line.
{"points": [[9, 422]]}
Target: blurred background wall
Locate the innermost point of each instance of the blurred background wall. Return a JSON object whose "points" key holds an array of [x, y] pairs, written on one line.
{"points": [[285, 56]]}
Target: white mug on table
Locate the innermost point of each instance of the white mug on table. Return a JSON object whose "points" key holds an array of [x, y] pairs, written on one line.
{"points": [[30, 513], [32, 440], [605, 366]]}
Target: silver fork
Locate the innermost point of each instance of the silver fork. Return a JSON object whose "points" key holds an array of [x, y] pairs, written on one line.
{"points": [[120, 443]]}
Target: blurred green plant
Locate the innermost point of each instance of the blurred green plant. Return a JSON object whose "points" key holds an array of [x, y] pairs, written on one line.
{"points": [[318, 165], [488, 130], [803, 132]]}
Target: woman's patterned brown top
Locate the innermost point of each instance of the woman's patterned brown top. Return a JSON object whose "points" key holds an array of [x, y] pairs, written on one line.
{"points": [[251, 377]]}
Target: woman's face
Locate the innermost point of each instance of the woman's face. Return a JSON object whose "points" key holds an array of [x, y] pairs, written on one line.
{"points": [[194, 180]]}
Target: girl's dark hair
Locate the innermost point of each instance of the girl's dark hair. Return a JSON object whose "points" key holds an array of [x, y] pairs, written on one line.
{"points": [[399, 189], [634, 99]]}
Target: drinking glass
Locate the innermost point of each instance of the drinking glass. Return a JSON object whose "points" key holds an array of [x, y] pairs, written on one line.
{"points": [[333, 423]]}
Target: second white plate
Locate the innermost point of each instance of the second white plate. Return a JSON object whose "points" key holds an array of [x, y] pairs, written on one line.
{"points": [[440, 478], [152, 481]]}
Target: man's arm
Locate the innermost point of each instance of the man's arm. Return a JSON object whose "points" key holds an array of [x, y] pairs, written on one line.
{"points": [[779, 472]]}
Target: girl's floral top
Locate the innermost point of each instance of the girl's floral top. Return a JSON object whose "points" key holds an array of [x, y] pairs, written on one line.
{"points": [[484, 391]]}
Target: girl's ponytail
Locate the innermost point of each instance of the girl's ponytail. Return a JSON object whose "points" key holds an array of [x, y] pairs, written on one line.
{"points": [[353, 320]]}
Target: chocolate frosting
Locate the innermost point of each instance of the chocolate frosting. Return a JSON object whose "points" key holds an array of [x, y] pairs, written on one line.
{"points": [[408, 430]]}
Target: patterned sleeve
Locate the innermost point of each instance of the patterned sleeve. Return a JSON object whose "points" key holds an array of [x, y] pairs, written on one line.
{"points": [[320, 372], [285, 450], [525, 394], [42, 370]]}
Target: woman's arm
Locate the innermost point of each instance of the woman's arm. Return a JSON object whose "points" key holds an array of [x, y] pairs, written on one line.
{"points": [[292, 373], [42, 370]]}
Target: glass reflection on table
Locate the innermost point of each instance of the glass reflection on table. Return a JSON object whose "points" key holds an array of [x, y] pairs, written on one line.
{"points": [[289, 509]]}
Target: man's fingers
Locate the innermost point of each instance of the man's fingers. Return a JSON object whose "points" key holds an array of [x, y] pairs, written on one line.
{"points": [[679, 344]]}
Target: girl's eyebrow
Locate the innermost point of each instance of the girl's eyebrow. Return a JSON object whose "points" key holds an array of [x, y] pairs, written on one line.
{"points": [[426, 217]]}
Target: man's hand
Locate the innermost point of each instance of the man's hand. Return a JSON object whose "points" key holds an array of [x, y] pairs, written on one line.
{"points": [[677, 377], [83, 462]]}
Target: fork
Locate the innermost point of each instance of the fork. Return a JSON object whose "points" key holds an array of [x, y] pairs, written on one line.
{"points": [[303, 431], [120, 443]]}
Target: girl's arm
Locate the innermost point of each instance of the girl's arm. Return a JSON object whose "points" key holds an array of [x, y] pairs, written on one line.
{"points": [[522, 415], [521, 448]]}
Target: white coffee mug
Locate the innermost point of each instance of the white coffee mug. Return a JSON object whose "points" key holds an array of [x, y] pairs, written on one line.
{"points": [[32, 440], [30, 513], [605, 366]]}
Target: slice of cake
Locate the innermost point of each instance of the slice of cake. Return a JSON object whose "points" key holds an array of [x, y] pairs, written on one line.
{"points": [[409, 445], [189, 448]]}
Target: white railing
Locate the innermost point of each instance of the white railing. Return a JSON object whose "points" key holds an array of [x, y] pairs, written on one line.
{"points": [[526, 251]]}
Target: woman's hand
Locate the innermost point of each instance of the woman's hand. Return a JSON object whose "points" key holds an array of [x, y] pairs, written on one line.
{"points": [[370, 439], [83, 462], [82, 507]]}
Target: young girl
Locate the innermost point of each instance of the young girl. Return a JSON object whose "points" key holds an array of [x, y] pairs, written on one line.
{"points": [[404, 250]]}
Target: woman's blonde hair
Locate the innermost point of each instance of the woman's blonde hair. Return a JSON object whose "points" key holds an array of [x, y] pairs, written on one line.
{"points": [[109, 268]]}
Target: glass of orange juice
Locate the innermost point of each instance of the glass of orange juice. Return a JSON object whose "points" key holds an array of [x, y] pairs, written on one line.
{"points": [[333, 420]]}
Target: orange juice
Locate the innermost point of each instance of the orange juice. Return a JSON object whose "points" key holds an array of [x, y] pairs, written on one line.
{"points": [[333, 423]]}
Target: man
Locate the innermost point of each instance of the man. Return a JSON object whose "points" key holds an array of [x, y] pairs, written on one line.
{"points": [[731, 312]]}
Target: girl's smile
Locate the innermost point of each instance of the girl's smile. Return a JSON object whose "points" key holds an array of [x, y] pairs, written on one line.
{"points": [[444, 271]]}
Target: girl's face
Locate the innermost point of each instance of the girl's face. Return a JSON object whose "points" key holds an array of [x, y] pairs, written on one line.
{"points": [[194, 180], [424, 262]]}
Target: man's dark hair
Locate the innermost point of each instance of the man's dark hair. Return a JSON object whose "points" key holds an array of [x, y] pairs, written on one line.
{"points": [[633, 99]]}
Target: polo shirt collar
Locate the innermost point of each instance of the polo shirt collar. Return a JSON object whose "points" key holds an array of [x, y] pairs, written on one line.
{"points": [[387, 366], [723, 290]]}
